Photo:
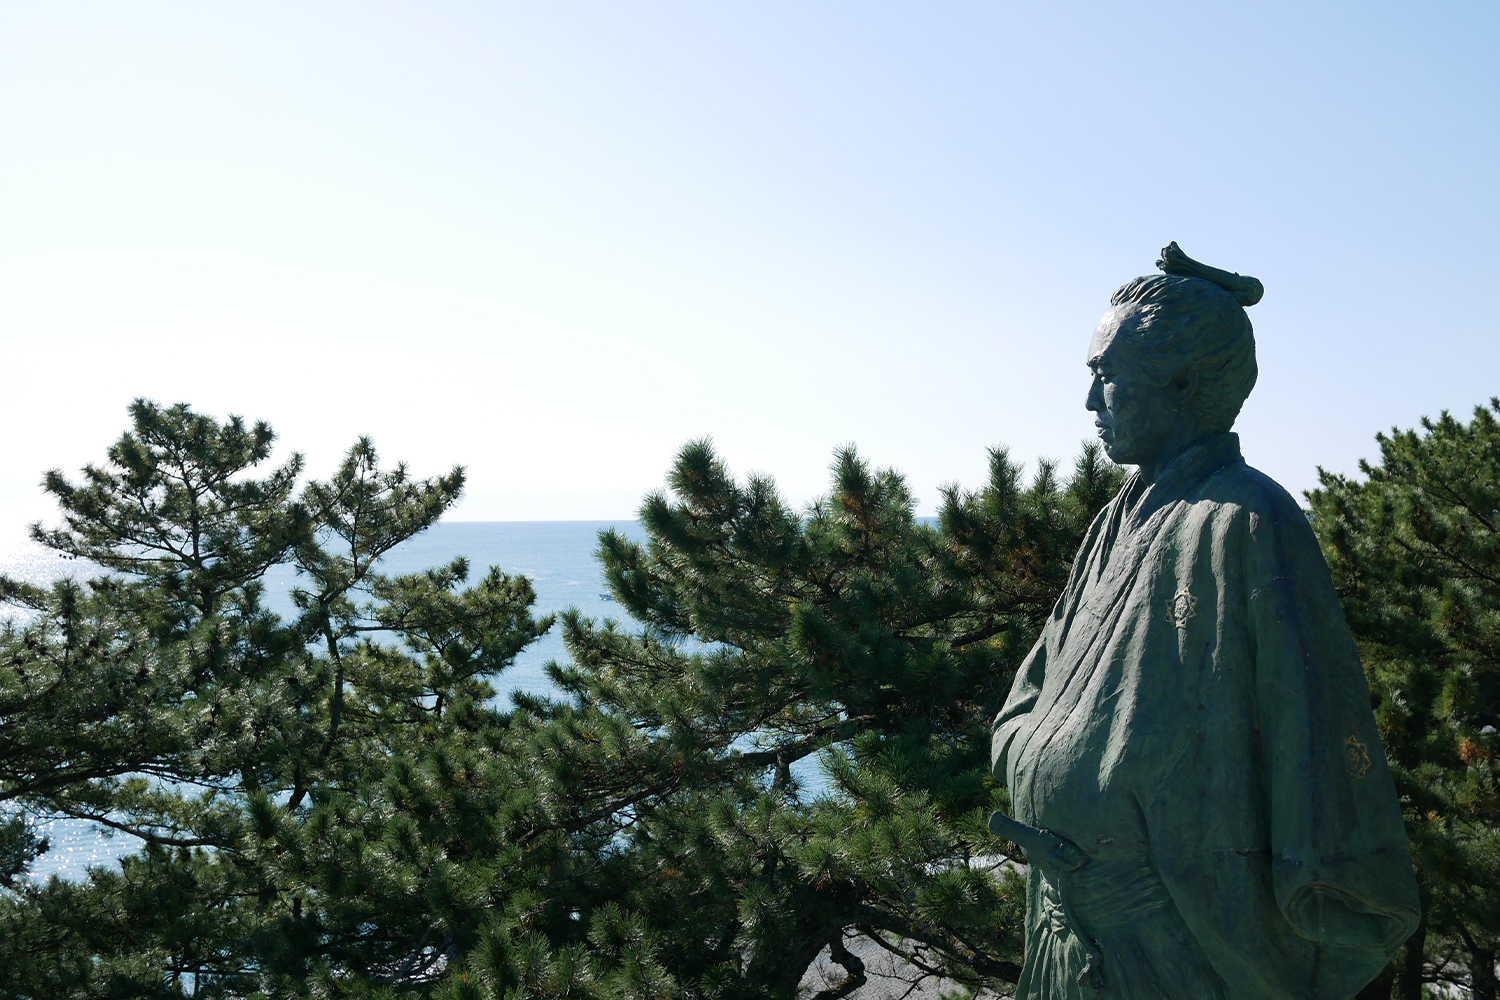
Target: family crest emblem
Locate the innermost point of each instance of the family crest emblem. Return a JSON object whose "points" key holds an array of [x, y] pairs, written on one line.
{"points": [[1181, 608], [1356, 757]]}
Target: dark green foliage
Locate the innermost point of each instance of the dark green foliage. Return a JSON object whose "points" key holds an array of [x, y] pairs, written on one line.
{"points": [[276, 771], [854, 635], [1415, 553], [173, 509], [333, 804]]}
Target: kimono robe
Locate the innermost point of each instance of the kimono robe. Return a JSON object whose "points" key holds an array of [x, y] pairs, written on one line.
{"points": [[1195, 719]]}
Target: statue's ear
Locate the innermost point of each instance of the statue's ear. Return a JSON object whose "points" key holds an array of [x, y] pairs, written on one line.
{"points": [[1183, 386]]}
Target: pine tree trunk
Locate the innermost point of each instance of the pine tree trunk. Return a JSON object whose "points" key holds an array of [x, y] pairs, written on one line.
{"points": [[1410, 982], [1482, 973]]}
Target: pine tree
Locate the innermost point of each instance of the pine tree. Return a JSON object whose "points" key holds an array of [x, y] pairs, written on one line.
{"points": [[333, 802], [851, 635], [155, 672], [1415, 552], [272, 769]]}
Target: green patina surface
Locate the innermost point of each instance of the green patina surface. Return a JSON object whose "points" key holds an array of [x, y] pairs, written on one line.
{"points": [[1195, 720]]}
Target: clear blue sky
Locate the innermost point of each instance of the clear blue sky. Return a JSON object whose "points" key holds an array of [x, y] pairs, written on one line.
{"points": [[554, 241]]}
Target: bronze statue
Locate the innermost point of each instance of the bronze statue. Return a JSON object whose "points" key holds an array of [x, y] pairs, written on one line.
{"points": [[1194, 769]]}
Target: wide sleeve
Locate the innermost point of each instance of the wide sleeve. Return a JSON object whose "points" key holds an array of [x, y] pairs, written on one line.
{"points": [[1341, 867], [1018, 705]]}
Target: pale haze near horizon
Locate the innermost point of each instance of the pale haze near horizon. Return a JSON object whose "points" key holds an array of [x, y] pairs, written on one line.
{"points": [[554, 242]]}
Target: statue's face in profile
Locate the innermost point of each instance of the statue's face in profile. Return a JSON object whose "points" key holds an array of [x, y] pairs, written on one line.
{"points": [[1139, 418]]}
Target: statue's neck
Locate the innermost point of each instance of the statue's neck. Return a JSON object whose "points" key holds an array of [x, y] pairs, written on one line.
{"points": [[1174, 449]]}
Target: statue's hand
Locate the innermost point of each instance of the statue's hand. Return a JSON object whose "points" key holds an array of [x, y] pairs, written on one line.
{"points": [[1332, 916]]}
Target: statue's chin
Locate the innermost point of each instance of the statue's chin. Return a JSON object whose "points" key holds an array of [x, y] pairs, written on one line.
{"points": [[1117, 455]]}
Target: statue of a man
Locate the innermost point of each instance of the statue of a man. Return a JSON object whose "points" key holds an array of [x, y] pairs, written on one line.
{"points": [[1193, 764]]}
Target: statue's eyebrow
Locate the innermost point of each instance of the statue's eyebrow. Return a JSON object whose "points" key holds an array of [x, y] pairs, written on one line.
{"points": [[1096, 361]]}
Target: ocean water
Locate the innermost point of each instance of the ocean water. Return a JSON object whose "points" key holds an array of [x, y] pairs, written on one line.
{"points": [[558, 557]]}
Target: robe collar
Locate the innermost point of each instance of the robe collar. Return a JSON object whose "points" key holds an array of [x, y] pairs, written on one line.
{"points": [[1140, 499]]}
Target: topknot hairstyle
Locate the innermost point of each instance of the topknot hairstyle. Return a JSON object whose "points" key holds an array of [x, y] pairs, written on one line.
{"points": [[1194, 317]]}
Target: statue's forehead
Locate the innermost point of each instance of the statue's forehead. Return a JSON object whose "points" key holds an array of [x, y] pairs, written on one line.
{"points": [[1126, 318]]}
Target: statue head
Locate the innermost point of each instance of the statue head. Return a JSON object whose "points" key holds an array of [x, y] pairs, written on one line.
{"points": [[1173, 360]]}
